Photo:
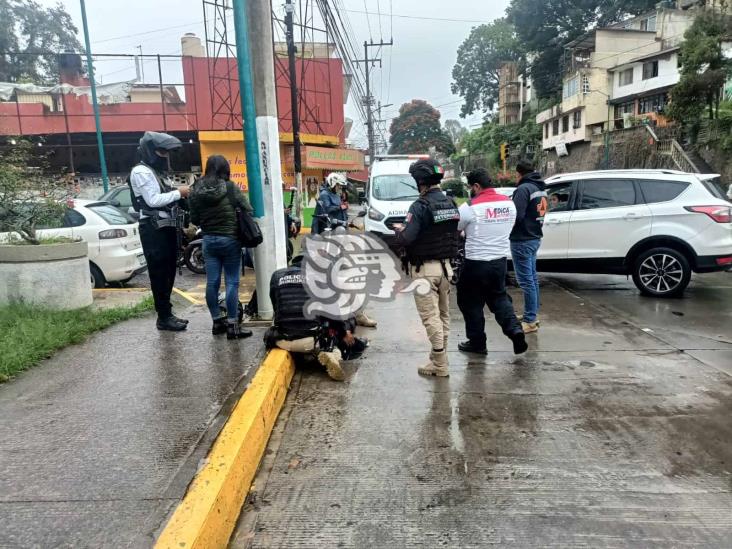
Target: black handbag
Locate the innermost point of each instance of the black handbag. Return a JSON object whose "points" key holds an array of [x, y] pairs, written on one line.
{"points": [[247, 231]]}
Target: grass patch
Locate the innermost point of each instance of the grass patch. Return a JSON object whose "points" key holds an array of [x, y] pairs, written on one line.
{"points": [[30, 334], [18, 241]]}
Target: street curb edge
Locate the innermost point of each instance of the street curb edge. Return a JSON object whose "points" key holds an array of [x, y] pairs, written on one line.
{"points": [[207, 515]]}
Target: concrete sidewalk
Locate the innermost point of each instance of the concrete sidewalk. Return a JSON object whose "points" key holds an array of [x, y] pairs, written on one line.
{"points": [[603, 435], [98, 443]]}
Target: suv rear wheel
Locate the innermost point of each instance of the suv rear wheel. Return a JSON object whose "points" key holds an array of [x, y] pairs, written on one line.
{"points": [[662, 272]]}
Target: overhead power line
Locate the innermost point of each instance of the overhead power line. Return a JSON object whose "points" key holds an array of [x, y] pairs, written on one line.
{"points": [[441, 19]]}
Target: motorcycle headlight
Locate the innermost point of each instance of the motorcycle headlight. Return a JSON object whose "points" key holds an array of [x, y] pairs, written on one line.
{"points": [[376, 215]]}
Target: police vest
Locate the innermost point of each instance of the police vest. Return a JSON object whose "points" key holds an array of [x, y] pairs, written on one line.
{"points": [[138, 202], [289, 298], [439, 240]]}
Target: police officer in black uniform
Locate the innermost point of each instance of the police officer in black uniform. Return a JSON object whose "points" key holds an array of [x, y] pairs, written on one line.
{"points": [[329, 341], [430, 239], [161, 219]]}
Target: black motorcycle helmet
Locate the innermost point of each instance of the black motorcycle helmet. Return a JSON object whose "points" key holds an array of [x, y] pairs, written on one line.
{"points": [[427, 172], [156, 141]]}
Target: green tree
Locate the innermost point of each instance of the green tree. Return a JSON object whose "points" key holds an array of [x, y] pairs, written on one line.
{"points": [[29, 28], [479, 58], [417, 128], [28, 199], [545, 26], [705, 68], [455, 131]]}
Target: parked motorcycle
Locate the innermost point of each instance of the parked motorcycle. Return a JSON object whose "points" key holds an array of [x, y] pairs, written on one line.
{"points": [[193, 254]]}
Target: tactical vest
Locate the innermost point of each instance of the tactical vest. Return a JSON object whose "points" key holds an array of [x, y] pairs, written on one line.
{"points": [[138, 202], [289, 299], [439, 240]]}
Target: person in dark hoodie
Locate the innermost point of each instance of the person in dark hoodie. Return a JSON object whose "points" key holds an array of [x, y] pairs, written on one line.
{"points": [[211, 204], [531, 203]]}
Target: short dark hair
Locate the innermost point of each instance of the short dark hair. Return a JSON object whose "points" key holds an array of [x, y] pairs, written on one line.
{"points": [[525, 166], [480, 177]]}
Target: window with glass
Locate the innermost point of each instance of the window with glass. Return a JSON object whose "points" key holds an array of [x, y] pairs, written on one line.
{"points": [[648, 24], [652, 103], [624, 108], [607, 193], [585, 84], [577, 119], [565, 124], [650, 70], [655, 191], [546, 130], [395, 187], [555, 127], [111, 215], [559, 197], [625, 78], [571, 87]]}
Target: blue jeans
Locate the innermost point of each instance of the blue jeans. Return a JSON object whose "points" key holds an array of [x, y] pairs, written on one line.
{"points": [[524, 264], [222, 253]]}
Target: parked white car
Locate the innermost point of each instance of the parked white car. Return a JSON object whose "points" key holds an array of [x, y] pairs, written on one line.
{"points": [[657, 225], [115, 250]]}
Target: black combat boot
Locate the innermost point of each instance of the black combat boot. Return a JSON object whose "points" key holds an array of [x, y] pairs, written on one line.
{"points": [[219, 326], [470, 347], [170, 324], [519, 343], [233, 331]]}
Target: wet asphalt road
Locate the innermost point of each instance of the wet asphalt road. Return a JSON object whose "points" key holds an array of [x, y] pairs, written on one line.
{"points": [[613, 431]]}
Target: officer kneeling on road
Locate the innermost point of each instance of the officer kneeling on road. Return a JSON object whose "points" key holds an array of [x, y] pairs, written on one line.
{"points": [[430, 239], [328, 341], [161, 219]]}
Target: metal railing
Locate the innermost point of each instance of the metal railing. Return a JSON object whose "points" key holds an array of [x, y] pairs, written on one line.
{"points": [[672, 148]]}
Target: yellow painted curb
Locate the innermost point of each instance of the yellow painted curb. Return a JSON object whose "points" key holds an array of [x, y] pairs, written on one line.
{"points": [[208, 513], [188, 296]]}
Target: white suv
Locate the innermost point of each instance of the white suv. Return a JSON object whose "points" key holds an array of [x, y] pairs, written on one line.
{"points": [[657, 225]]}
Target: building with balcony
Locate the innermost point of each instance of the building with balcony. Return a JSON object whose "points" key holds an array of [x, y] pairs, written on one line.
{"points": [[514, 93], [607, 69]]}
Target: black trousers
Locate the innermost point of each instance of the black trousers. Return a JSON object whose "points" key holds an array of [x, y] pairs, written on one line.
{"points": [[484, 283], [160, 248]]}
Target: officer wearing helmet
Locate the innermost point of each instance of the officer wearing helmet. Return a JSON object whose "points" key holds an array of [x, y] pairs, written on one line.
{"points": [[160, 220], [329, 202], [429, 238]]}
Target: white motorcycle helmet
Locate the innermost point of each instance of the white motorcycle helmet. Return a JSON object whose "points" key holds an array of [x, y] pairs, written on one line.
{"points": [[335, 179]]}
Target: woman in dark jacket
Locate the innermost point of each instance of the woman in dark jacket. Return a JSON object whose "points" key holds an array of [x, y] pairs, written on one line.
{"points": [[212, 210]]}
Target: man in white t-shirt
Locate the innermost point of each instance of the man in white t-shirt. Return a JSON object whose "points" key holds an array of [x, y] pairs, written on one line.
{"points": [[487, 221]]}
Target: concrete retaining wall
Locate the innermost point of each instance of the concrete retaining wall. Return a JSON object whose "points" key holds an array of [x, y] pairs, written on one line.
{"points": [[55, 276]]}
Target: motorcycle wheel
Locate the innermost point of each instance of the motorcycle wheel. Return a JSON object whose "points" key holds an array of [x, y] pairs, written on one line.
{"points": [[193, 257]]}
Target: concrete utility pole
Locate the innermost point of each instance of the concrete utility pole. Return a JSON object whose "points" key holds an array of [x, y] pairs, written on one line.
{"points": [[95, 103], [369, 101], [261, 136], [291, 51]]}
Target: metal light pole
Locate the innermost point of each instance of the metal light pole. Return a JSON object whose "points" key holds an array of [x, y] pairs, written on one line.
{"points": [[297, 153], [95, 104], [255, 60]]}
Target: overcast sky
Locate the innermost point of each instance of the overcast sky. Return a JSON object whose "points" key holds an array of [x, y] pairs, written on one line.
{"points": [[426, 36]]}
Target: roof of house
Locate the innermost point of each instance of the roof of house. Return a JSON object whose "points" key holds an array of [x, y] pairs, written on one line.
{"points": [[646, 57]]}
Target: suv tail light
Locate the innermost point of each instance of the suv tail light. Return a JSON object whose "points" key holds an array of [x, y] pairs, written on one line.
{"points": [[112, 233], [720, 214]]}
